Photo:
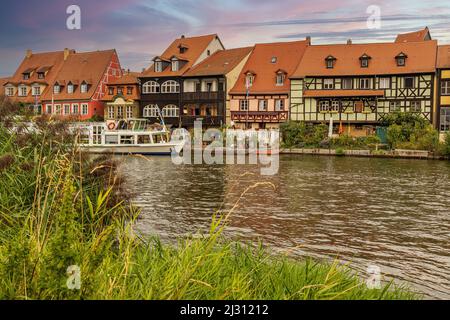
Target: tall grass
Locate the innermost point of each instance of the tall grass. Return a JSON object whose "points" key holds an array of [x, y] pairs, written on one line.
{"points": [[59, 208]]}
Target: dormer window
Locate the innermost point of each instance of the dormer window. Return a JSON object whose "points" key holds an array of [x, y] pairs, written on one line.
{"points": [[56, 88], [111, 91], [26, 76], [281, 76], [249, 79], [183, 48], [274, 60], [175, 65], [330, 61], [401, 59], [70, 88], [158, 66], [364, 61], [84, 87], [41, 75]]}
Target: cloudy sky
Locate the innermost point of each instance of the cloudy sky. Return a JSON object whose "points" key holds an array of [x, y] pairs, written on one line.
{"points": [[141, 29]]}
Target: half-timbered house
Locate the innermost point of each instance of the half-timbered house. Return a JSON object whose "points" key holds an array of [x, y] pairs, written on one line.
{"points": [[260, 98], [443, 89], [358, 84]]}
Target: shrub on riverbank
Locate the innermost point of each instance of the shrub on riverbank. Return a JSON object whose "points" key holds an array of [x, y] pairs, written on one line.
{"points": [[60, 209], [299, 134]]}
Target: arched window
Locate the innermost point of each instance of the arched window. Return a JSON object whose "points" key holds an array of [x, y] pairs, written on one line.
{"points": [[151, 111], [170, 86], [170, 111], [150, 87]]}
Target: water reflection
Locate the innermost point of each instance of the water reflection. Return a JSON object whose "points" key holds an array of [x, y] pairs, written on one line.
{"points": [[389, 212]]}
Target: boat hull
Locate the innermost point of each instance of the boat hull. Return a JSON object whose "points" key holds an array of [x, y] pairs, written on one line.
{"points": [[131, 149]]}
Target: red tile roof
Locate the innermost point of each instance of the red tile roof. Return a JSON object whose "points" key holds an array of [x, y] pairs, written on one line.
{"points": [[88, 67], [285, 56], [342, 93], [220, 63], [127, 78], [195, 47], [3, 81], [421, 35], [421, 59], [443, 59]]}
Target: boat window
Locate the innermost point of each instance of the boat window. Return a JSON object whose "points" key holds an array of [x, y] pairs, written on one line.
{"points": [[144, 139], [111, 139], [126, 140]]}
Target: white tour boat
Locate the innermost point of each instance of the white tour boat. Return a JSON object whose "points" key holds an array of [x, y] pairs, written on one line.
{"points": [[132, 136]]}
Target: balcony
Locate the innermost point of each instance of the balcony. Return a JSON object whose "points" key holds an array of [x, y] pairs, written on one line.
{"points": [[188, 121], [259, 116], [203, 96]]}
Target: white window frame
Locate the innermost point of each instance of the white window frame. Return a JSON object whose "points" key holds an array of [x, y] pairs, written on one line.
{"points": [[415, 106], [9, 91], [243, 105], [335, 106], [280, 79], [84, 88], [384, 83], [445, 87], [175, 65], [170, 86], [57, 109], [249, 79], [70, 88], [129, 112], [363, 82], [120, 112], [48, 109], [170, 111], [328, 84], [151, 87], [75, 108], [151, 111], [395, 106], [56, 89], [263, 105], [279, 104], [84, 109], [111, 112], [66, 108], [158, 66], [36, 90], [23, 93], [324, 105]]}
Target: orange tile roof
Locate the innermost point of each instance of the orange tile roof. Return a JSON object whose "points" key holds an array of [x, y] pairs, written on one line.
{"points": [[443, 59], [287, 54], [421, 59], [35, 61], [342, 93], [87, 66], [220, 63], [127, 78], [3, 81], [195, 47], [421, 35]]}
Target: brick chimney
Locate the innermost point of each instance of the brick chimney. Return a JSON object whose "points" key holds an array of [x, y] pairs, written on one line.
{"points": [[66, 53], [349, 41], [29, 53]]}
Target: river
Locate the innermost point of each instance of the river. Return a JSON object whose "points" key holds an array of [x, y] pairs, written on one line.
{"points": [[392, 213]]}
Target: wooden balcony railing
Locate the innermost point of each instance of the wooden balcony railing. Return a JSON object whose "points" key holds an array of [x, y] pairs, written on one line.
{"points": [[203, 96], [260, 116]]}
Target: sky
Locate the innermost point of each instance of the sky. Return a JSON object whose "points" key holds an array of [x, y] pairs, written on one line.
{"points": [[142, 29]]}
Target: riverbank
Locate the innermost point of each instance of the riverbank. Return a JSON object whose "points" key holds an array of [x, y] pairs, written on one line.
{"points": [[398, 153], [68, 233]]}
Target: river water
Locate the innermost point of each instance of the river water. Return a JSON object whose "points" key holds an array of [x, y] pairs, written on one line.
{"points": [[392, 213]]}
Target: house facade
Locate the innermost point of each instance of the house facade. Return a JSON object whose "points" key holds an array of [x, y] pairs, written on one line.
{"points": [[443, 89], [162, 84], [357, 85], [206, 87], [122, 97], [33, 77], [80, 85], [260, 97]]}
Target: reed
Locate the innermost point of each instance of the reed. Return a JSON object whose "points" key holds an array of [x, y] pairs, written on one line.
{"points": [[60, 208]]}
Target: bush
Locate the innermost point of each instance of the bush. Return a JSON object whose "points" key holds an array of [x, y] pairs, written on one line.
{"points": [[446, 145], [300, 134]]}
